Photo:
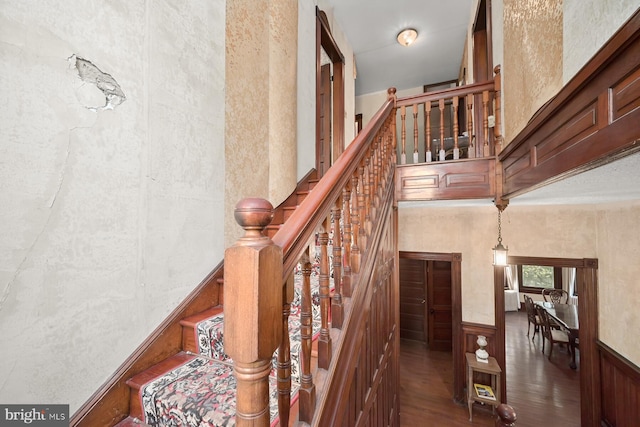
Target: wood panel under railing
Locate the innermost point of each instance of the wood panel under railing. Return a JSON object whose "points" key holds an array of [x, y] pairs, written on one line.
{"points": [[350, 209], [444, 153]]}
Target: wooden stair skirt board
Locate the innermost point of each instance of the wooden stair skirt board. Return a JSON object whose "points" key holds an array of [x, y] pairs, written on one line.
{"points": [[196, 387]]}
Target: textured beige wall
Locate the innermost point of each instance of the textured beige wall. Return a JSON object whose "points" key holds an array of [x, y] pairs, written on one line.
{"points": [[440, 229], [107, 217], [606, 232], [532, 59], [618, 248], [581, 17], [260, 132], [306, 132]]}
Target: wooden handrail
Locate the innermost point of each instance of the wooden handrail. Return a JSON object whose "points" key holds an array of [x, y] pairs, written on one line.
{"points": [[459, 91], [294, 235], [365, 168]]}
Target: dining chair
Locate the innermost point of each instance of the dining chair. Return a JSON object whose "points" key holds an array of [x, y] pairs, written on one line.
{"points": [[556, 296], [555, 336], [532, 316]]}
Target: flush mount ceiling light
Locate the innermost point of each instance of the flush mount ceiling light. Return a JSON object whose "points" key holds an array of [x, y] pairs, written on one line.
{"points": [[407, 36]]}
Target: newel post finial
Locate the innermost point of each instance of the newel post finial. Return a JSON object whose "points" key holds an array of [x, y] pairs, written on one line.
{"points": [[253, 299], [391, 94], [506, 416]]}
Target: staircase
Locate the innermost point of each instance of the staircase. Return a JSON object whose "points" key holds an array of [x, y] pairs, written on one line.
{"points": [[196, 386], [181, 375]]}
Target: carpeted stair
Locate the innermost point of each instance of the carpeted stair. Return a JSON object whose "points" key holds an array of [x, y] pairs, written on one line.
{"points": [[196, 387]]}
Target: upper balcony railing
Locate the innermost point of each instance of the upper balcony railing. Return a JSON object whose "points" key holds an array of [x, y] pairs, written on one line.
{"points": [[451, 124]]}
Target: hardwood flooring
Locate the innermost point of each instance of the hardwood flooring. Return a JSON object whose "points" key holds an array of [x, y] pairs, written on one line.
{"points": [[542, 392]]}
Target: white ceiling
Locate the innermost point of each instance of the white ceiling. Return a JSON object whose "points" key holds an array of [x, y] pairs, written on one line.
{"points": [[614, 182], [371, 26]]}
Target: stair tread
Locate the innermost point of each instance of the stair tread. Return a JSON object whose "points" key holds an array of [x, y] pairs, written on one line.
{"points": [[206, 386], [159, 369], [193, 320]]}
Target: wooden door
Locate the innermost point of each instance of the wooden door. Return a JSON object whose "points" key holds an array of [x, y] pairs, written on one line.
{"points": [[413, 275], [439, 305], [324, 146]]}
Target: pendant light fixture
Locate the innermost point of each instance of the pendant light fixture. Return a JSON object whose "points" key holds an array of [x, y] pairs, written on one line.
{"points": [[500, 252]]}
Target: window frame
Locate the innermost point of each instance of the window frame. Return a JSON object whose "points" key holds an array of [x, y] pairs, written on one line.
{"points": [[557, 280]]}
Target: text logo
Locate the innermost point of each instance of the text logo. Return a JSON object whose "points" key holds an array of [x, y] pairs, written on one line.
{"points": [[34, 415]]}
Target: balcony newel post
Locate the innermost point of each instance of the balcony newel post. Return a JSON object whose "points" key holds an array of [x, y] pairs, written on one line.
{"points": [[497, 111], [253, 287], [485, 123]]}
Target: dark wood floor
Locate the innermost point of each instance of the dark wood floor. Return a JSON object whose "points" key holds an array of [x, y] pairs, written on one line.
{"points": [[543, 393]]}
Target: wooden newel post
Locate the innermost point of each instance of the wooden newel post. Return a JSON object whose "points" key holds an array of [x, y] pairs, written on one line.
{"points": [[506, 416], [253, 307]]}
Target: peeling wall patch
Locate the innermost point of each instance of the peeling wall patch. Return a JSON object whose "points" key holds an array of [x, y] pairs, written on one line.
{"points": [[103, 81]]}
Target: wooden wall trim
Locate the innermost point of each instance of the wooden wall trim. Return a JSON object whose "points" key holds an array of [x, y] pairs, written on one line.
{"points": [[501, 352], [591, 121], [587, 283], [460, 179], [620, 388]]}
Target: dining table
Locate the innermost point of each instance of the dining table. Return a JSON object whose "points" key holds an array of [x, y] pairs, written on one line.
{"points": [[566, 316]]}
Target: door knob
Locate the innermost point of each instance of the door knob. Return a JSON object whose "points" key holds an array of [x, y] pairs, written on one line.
{"points": [[423, 301]]}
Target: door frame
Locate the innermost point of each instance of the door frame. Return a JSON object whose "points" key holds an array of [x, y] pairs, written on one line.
{"points": [[325, 40], [587, 286], [455, 259]]}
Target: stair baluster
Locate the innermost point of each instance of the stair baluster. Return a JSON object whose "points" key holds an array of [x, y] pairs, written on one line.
{"points": [[456, 150], [355, 223], [324, 341], [336, 301], [362, 228], [284, 357], [346, 277], [470, 131], [307, 387], [415, 133], [427, 130], [403, 129]]}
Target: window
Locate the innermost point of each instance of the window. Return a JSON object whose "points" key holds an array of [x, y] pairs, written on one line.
{"points": [[535, 278]]}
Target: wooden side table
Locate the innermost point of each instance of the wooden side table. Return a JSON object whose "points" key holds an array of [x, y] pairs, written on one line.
{"points": [[492, 368]]}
